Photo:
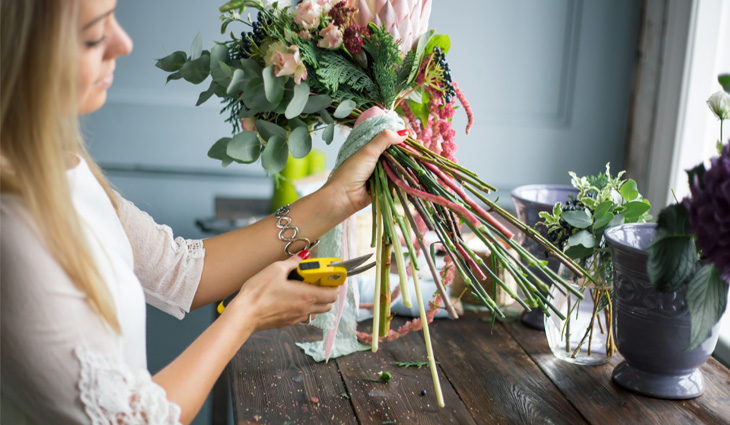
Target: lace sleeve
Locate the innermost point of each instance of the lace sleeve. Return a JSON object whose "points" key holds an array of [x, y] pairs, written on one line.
{"points": [[60, 362], [169, 268], [112, 394]]}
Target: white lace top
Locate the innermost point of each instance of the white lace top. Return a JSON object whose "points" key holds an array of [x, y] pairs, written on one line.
{"points": [[61, 363]]}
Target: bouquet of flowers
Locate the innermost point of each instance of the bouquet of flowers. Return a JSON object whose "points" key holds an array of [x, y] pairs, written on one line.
{"points": [[366, 65], [692, 244]]}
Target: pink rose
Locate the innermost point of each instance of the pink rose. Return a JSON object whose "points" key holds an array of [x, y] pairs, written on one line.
{"points": [[326, 5], [308, 14], [248, 124], [305, 34], [286, 61], [331, 37]]}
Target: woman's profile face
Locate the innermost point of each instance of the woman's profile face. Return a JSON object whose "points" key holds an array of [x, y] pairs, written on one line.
{"points": [[102, 41]]}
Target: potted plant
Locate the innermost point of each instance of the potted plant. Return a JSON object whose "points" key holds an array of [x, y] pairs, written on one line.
{"points": [[584, 335], [672, 281]]}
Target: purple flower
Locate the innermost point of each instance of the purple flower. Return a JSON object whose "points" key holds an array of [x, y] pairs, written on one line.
{"points": [[709, 212]]}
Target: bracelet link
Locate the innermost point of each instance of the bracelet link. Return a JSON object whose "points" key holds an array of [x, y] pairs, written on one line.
{"points": [[283, 222]]}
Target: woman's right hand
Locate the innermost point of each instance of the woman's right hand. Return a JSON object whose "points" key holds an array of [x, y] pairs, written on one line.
{"points": [[271, 300]]}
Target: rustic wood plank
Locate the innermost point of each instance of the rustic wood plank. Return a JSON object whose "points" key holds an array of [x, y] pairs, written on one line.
{"points": [[602, 402], [497, 381], [273, 382], [400, 400]]}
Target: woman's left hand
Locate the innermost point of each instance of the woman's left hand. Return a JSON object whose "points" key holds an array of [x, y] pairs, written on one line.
{"points": [[349, 181]]}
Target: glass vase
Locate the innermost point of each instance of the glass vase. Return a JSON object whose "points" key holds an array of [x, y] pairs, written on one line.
{"points": [[584, 335]]}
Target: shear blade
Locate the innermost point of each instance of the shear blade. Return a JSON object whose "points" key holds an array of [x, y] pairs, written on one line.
{"points": [[361, 269], [352, 263]]}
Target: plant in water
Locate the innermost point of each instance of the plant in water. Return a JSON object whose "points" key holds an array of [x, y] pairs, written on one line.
{"points": [[577, 227]]}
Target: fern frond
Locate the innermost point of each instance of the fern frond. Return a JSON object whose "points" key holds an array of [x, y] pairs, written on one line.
{"points": [[334, 71]]}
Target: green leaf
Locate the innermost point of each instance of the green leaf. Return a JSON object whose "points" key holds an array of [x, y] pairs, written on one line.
{"points": [[238, 82], [420, 49], [580, 219], [267, 130], [724, 80], [197, 48], [634, 210], [174, 76], [298, 102], [273, 85], [344, 109], [706, 299], [204, 96], [617, 220], [329, 133], [317, 103], [602, 209], [673, 221], [326, 117], [254, 96], [172, 62], [697, 174], [275, 154], [601, 222], [300, 142], [442, 41], [219, 69], [251, 68], [244, 147], [584, 237], [629, 190], [219, 53], [296, 123], [218, 150], [672, 261], [197, 70]]}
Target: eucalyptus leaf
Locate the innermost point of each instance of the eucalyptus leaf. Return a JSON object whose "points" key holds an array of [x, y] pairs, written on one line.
{"points": [[204, 96], [317, 103], [238, 82], [267, 130], [219, 53], [254, 96], [344, 109], [251, 68], [300, 142], [174, 76], [329, 133], [326, 117], [196, 50], [299, 101], [629, 190], [579, 219], [218, 150], [197, 70], [172, 62], [275, 154], [707, 300], [296, 123], [244, 147], [273, 85]]}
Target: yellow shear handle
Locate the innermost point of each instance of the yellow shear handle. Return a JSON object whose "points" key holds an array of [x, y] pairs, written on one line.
{"points": [[318, 272]]}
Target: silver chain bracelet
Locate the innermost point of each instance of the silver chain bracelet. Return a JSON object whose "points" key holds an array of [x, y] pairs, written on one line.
{"points": [[283, 222]]}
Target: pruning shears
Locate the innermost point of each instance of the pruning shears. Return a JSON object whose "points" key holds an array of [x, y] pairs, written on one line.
{"points": [[329, 271]]}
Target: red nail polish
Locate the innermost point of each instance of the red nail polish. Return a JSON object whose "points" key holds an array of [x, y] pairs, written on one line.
{"points": [[402, 132], [304, 254]]}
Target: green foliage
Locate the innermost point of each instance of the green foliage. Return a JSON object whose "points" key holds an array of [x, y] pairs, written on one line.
{"points": [[334, 70], [603, 201], [386, 65], [707, 300]]}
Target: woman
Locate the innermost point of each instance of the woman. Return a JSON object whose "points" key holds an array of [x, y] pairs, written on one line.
{"points": [[78, 260]]}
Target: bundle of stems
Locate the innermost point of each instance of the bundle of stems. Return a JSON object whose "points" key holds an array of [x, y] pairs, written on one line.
{"points": [[437, 188]]}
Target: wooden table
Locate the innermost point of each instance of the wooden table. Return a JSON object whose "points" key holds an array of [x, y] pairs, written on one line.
{"points": [[504, 377]]}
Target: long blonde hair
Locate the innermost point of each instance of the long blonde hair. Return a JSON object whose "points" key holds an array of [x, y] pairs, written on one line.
{"points": [[39, 43]]}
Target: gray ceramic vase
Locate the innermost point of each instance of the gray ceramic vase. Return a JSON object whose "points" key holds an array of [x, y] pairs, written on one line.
{"points": [[651, 328], [529, 201]]}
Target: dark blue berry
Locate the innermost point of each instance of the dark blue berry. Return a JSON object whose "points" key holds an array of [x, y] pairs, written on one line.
{"points": [[423, 392]]}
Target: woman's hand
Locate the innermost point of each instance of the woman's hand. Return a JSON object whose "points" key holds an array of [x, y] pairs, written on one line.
{"points": [[272, 301], [348, 182]]}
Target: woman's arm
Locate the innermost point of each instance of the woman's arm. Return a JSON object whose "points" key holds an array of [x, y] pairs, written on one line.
{"points": [[232, 258], [268, 300]]}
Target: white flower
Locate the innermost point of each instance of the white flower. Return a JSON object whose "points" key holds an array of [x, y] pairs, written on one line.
{"points": [[719, 104], [283, 4]]}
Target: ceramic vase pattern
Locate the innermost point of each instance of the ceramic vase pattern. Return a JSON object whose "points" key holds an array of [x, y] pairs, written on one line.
{"points": [[652, 328]]}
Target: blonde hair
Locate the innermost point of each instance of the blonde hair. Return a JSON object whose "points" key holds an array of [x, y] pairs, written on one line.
{"points": [[39, 44]]}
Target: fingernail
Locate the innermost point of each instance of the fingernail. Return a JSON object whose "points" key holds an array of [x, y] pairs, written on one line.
{"points": [[402, 132], [304, 254]]}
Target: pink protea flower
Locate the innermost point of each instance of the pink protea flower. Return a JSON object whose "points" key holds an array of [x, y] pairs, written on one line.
{"points": [[407, 20]]}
